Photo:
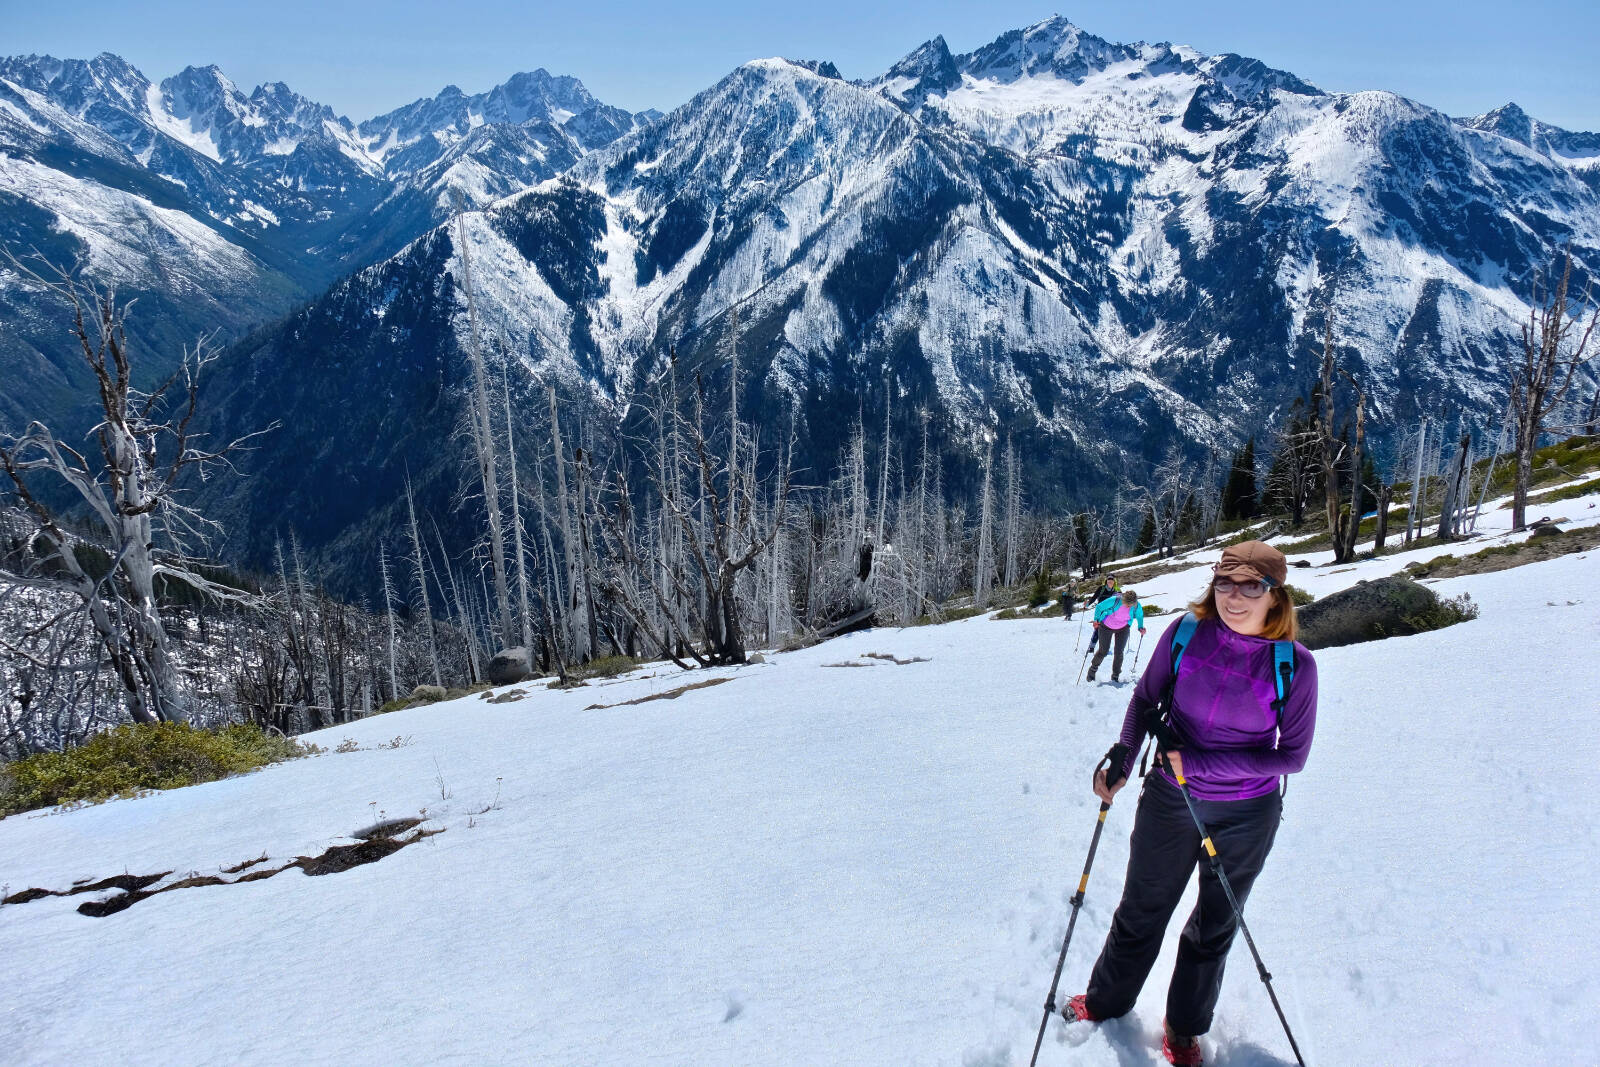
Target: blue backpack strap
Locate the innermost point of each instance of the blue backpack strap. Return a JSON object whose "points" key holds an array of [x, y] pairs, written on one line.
{"points": [[1180, 640], [1283, 664]]}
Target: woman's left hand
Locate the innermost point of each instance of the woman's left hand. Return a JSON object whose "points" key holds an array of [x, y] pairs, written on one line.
{"points": [[1174, 760]]}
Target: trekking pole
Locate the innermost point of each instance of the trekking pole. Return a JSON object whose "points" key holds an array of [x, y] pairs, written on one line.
{"points": [[1078, 640], [1238, 912], [1137, 649], [1114, 760], [1085, 661]]}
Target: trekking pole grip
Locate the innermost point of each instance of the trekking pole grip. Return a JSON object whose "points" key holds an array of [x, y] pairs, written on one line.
{"points": [[1115, 762]]}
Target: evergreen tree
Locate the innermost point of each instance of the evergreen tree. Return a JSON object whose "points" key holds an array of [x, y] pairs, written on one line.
{"points": [[1147, 534], [1369, 479], [1239, 495]]}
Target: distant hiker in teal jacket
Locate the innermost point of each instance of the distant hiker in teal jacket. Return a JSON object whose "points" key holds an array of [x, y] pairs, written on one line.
{"points": [[1114, 617]]}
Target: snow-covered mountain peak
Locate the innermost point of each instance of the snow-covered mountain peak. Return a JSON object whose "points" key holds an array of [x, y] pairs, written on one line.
{"points": [[928, 69], [1054, 46], [538, 94], [1508, 120], [1247, 78], [76, 85], [412, 137], [1577, 150], [201, 107], [277, 98], [769, 123]]}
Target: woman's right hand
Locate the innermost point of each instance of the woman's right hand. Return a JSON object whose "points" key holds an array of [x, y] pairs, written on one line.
{"points": [[1104, 792]]}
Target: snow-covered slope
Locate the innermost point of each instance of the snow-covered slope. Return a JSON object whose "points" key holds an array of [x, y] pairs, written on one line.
{"points": [[837, 859]]}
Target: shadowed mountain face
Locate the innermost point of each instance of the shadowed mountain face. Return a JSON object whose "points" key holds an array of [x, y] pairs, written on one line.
{"points": [[1100, 249]]}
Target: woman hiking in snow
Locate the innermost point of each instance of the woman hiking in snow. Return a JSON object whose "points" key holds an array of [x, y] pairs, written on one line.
{"points": [[1114, 618], [1232, 746]]}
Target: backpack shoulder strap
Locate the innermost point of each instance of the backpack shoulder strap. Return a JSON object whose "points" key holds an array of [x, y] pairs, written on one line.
{"points": [[1180, 639], [1163, 711], [1283, 665]]}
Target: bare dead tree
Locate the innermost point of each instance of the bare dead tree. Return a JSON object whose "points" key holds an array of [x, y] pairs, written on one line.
{"points": [[1292, 476], [1168, 493], [1013, 514], [1449, 510], [1330, 445], [419, 566], [518, 540], [1346, 527], [1555, 347], [731, 540], [983, 572], [131, 487], [387, 589], [577, 607], [483, 435], [1488, 475]]}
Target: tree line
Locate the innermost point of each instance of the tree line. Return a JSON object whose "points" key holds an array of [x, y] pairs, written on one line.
{"points": [[690, 536]]}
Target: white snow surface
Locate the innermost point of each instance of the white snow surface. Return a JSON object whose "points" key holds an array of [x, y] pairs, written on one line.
{"points": [[816, 864]]}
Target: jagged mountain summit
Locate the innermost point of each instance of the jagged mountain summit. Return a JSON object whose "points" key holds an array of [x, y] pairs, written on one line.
{"points": [[1101, 249], [1578, 151], [222, 209]]}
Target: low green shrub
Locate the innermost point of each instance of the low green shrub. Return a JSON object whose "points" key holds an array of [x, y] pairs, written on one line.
{"points": [[1297, 596], [138, 757], [1448, 612], [947, 615], [1422, 569], [1041, 593], [607, 667], [1569, 492]]}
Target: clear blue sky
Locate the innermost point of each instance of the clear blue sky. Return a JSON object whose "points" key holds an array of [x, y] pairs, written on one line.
{"points": [[365, 57]]}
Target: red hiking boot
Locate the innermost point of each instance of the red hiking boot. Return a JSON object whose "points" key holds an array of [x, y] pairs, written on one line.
{"points": [[1179, 1050], [1076, 1010]]}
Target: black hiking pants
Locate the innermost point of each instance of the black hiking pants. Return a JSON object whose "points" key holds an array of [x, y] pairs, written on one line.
{"points": [[1162, 854], [1105, 636]]}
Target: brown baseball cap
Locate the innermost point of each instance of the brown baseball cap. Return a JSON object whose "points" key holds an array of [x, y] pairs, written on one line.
{"points": [[1254, 559]]}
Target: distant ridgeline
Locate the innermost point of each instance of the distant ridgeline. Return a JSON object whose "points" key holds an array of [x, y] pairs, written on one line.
{"points": [[1108, 253]]}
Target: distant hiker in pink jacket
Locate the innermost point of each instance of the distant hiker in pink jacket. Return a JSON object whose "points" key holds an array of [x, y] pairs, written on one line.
{"points": [[1113, 618]]}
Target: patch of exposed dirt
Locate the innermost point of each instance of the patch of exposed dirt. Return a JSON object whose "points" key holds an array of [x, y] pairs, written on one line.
{"points": [[128, 883], [670, 694], [1133, 575], [376, 842], [892, 659]]}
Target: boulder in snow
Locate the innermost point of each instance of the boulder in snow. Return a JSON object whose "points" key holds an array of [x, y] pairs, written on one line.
{"points": [[509, 666], [1370, 611]]}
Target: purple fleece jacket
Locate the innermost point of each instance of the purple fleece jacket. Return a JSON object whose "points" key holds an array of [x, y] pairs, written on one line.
{"points": [[1232, 748]]}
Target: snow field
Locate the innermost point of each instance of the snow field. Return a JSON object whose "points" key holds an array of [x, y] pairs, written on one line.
{"points": [[817, 864]]}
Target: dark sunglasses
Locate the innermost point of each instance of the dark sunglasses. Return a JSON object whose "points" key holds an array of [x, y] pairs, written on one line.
{"points": [[1251, 590]]}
